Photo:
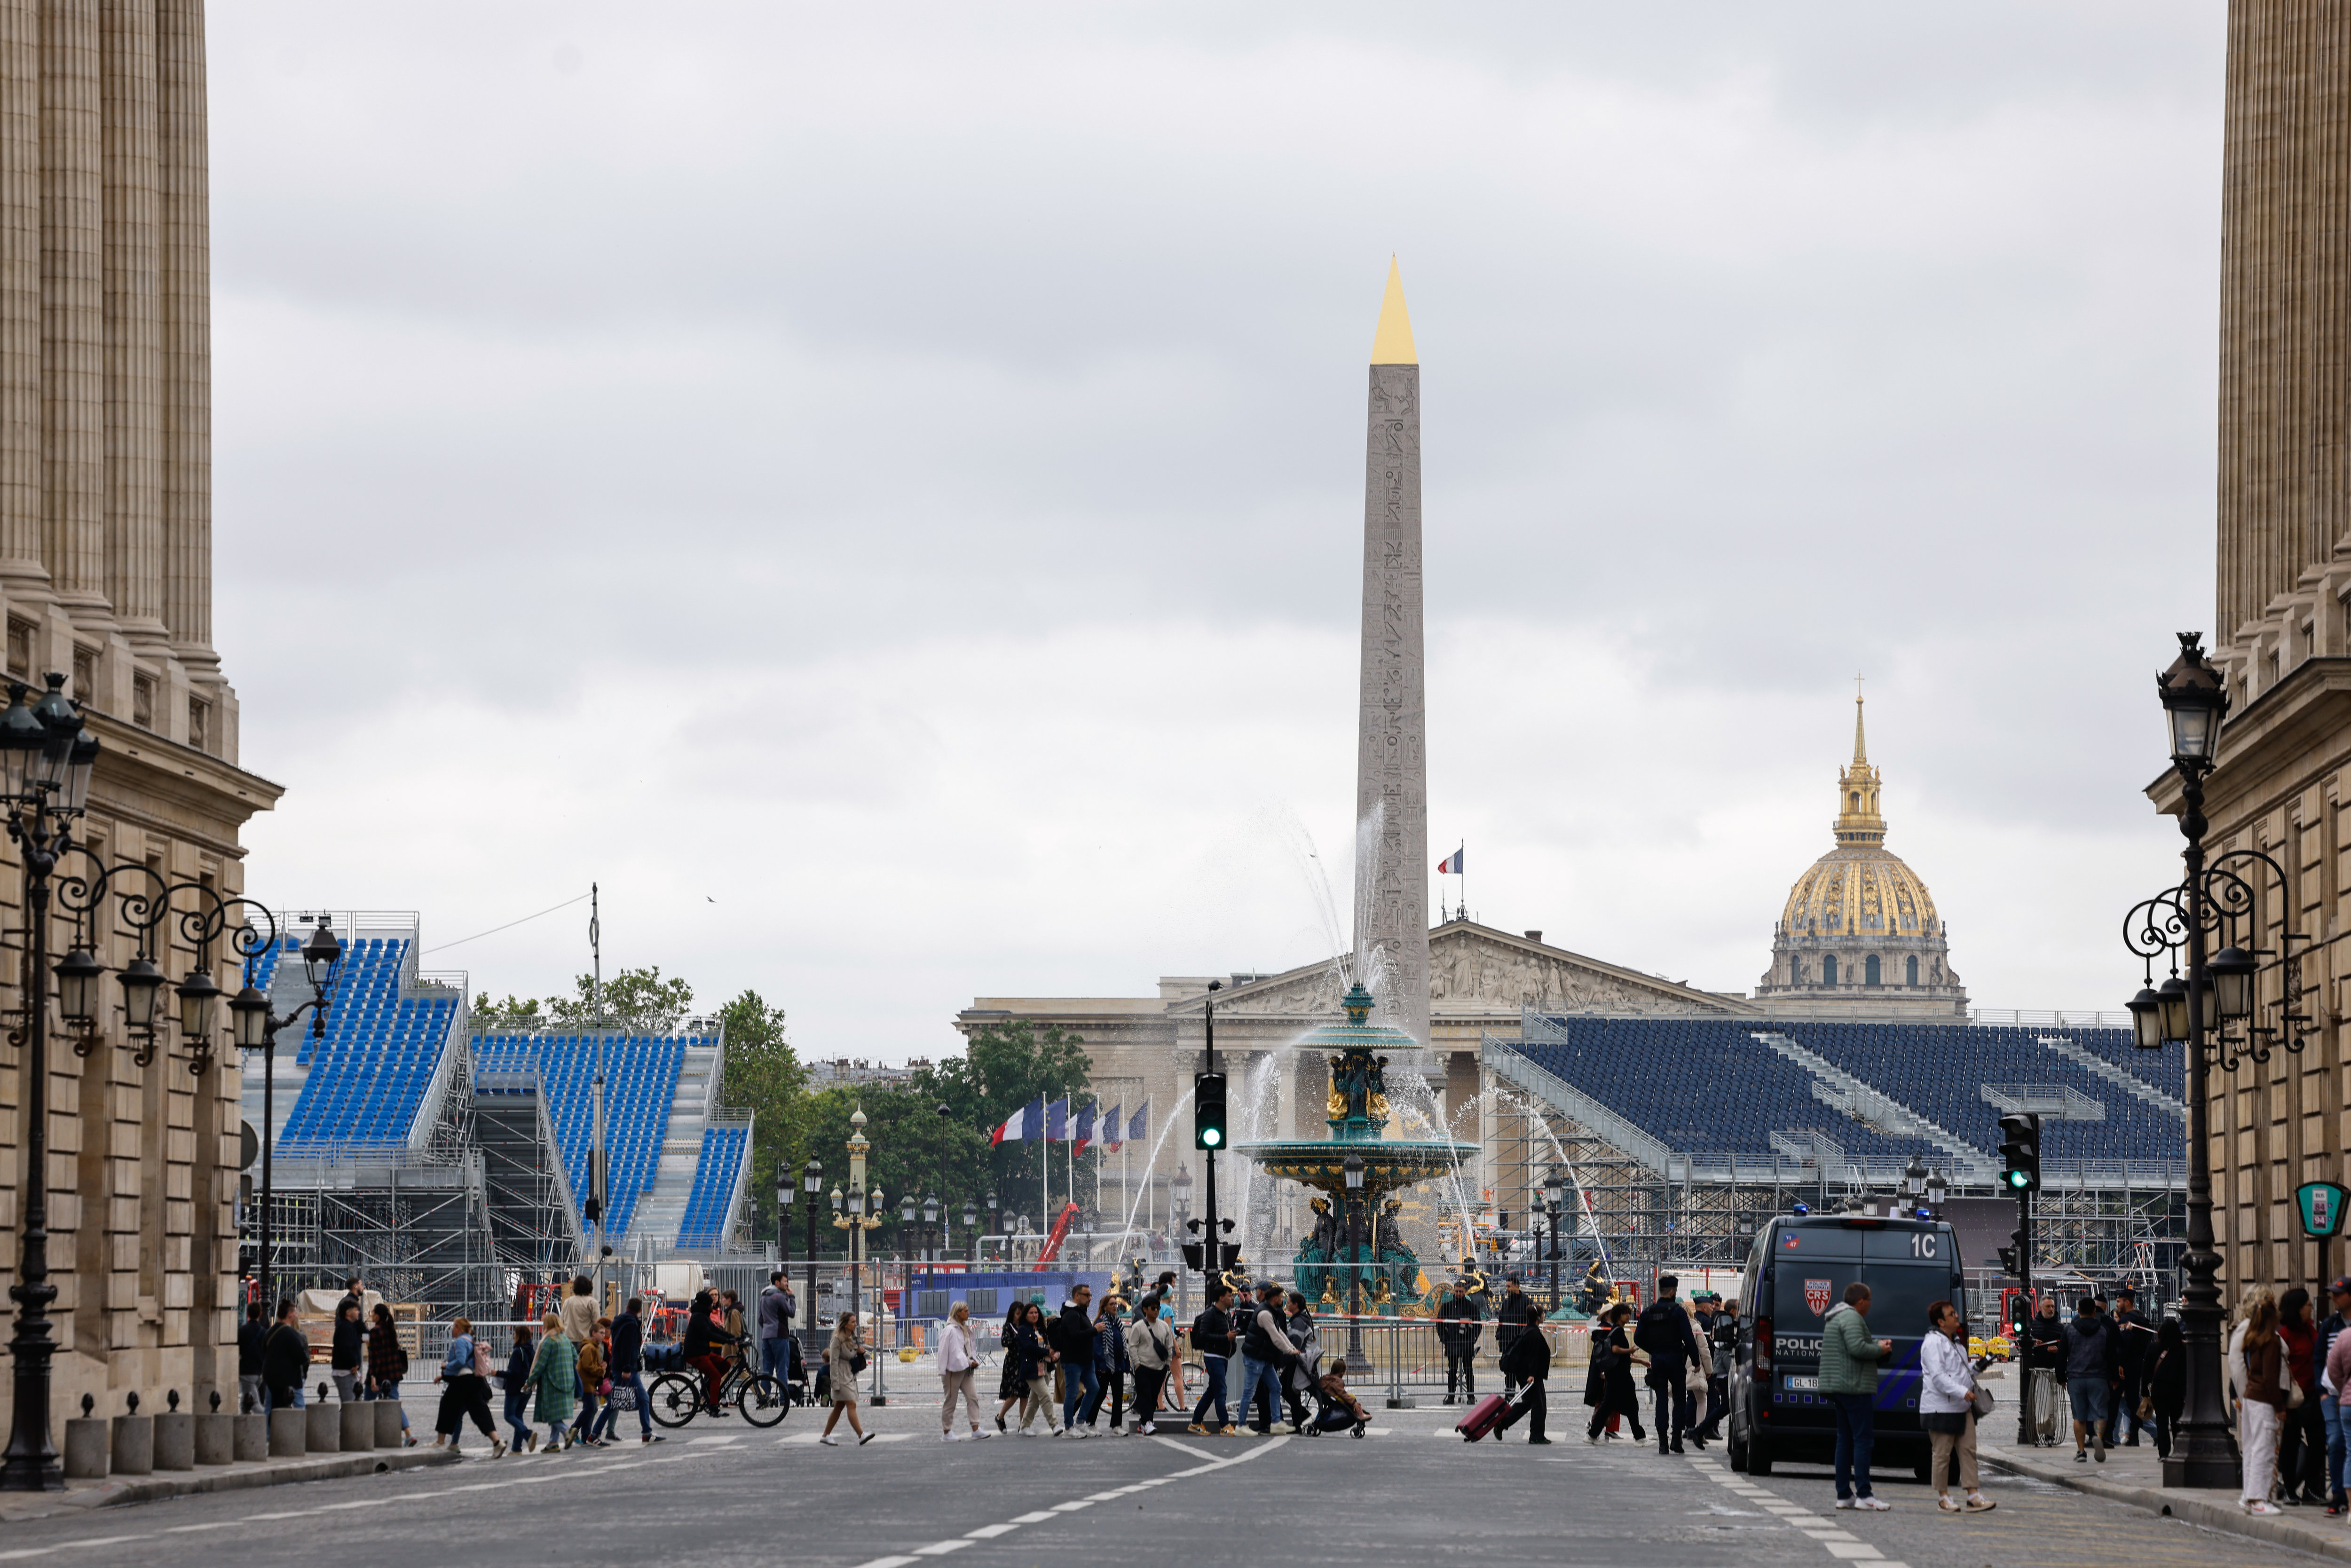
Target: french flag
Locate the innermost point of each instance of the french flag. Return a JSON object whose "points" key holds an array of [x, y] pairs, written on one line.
{"points": [[1085, 1130], [1111, 1123], [1450, 865], [1057, 1122], [1139, 1127], [1029, 1122]]}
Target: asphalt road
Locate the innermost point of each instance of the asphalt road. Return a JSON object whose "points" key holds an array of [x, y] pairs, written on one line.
{"points": [[719, 1494]]}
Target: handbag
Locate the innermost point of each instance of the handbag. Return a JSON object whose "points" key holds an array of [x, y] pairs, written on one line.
{"points": [[857, 1361], [481, 1359], [2288, 1386], [1983, 1400]]}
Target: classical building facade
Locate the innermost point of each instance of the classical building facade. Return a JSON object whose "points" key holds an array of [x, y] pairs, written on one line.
{"points": [[1860, 932], [106, 577]]}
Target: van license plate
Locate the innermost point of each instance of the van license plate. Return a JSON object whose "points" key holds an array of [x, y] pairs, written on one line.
{"points": [[1804, 1385]]}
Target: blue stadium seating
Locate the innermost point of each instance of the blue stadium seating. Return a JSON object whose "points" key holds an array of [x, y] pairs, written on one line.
{"points": [[640, 1081], [1699, 1085], [1708, 1086], [1940, 1072], [714, 1186], [369, 1072]]}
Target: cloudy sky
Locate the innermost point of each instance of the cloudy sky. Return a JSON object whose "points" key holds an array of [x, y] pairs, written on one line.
{"points": [[880, 489]]}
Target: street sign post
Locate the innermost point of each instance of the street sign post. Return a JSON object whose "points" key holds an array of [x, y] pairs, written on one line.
{"points": [[2320, 1204]]}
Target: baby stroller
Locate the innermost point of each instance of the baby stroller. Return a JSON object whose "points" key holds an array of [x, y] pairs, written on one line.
{"points": [[1332, 1413]]}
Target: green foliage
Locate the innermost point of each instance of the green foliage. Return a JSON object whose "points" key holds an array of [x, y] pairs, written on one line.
{"points": [[914, 1149], [638, 1000], [764, 1076], [1005, 1067], [514, 1013]]}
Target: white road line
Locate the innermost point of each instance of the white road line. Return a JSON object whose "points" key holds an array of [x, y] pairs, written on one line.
{"points": [[1037, 1518], [941, 1548], [887, 1562], [1839, 1543], [990, 1531]]}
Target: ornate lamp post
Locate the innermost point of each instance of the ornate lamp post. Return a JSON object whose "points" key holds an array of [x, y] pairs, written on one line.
{"points": [[930, 1225], [991, 1227], [2210, 1011], [1913, 1181], [1554, 1191], [1353, 1167], [1935, 1189], [971, 1227], [906, 1206], [811, 1183], [322, 956], [785, 1187]]}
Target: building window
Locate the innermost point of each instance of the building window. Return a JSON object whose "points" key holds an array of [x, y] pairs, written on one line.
{"points": [[1869, 970], [20, 648], [1912, 962], [85, 681], [200, 736], [1795, 971], [1828, 970], [143, 701]]}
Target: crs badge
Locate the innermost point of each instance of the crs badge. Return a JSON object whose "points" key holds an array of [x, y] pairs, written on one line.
{"points": [[1816, 1295]]}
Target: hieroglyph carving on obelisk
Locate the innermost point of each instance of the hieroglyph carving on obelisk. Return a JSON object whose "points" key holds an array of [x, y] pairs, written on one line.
{"points": [[1391, 769]]}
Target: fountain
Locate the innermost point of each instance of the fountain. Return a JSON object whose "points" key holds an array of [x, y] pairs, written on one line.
{"points": [[1326, 1270]]}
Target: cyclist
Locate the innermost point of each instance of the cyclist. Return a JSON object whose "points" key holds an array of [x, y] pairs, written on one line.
{"points": [[701, 1338]]}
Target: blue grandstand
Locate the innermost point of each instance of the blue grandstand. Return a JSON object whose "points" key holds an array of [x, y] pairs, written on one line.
{"points": [[370, 1076], [717, 1176], [641, 1076]]}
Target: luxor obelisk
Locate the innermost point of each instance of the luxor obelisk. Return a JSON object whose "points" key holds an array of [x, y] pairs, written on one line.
{"points": [[1391, 769]]}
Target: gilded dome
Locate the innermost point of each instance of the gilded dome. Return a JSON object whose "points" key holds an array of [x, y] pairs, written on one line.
{"points": [[1860, 890]]}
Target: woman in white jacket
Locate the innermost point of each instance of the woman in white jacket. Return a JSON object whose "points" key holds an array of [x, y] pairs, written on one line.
{"points": [[958, 1366], [1150, 1345], [1947, 1394]]}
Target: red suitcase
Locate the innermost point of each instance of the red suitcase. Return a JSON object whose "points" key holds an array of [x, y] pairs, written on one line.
{"points": [[1483, 1417]]}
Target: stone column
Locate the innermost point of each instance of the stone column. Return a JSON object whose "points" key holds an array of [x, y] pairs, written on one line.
{"points": [[183, 167], [73, 397], [1390, 771], [132, 325], [20, 300]]}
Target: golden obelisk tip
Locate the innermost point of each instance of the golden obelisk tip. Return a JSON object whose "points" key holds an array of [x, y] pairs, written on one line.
{"points": [[1392, 344]]}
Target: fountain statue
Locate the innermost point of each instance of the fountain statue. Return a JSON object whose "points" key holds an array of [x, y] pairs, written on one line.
{"points": [[1328, 1265]]}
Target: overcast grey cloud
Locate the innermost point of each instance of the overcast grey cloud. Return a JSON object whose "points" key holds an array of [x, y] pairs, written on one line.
{"points": [[881, 488]]}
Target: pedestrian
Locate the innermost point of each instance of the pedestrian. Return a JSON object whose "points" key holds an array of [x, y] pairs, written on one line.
{"points": [[730, 1312], [1341, 1408], [1073, 1338], [354, 1295], [579, 1313], [1110, 1364], [1511, 1316], [1722, 1347], [2302, 1446], [1299, 1379], [775, 1328], [1265, 1351], [1212, 1336], [1664, 1331], [591, 1373], [387, 1363], [516, 1378], [1608, 1389], [846, 1358], [2263, 1399], [1701, 1377], [1012, 1382], [2166, 1382], [2044, 1349], [1037, 1396], [959, 1372], [1171, 1395], [464, 1391], [1849, 1359], [347, 1349], [2333, 1387], [1947, 1407], [1150, 1350], [2134, 1342], [555, 1378], [285, 1360], [1527, 1364], [627, 1364], [2093, 1372], [702, 1347], [251, 1334], [1459, 1324]]}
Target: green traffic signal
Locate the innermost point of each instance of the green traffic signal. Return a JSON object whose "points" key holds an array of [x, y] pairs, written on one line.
{"points": [[1208, 1110]]}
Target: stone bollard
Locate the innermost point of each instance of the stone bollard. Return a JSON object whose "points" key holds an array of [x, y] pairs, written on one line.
{"points": [[358, 1423], [288, 1434], [216, 1436], [251, 1443], [175, 1437], [387, 1423], [134, 1442], [88, 1440], [324, 1434]]}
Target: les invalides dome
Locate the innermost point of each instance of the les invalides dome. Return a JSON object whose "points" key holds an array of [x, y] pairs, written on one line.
{"points": [[1860, 935]]}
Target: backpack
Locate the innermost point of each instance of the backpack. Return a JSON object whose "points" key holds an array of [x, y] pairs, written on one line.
{"points": [[481, 1359]]}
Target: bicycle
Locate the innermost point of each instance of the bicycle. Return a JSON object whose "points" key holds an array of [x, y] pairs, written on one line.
{"points": [[676, 1397]]}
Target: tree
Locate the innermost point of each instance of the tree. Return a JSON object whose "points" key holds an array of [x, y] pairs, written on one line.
{"points": [[914, 1149], [638, 1000], [1005, 1066], [764, 1076], [513, 1013]]}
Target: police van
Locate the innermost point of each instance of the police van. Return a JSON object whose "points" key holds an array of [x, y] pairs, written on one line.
{"points": [[1797, 1272]]}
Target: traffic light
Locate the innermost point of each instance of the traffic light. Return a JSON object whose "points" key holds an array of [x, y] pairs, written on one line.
{"points": [[1208, 1110], [2008, 1262], [2020, 1152]]}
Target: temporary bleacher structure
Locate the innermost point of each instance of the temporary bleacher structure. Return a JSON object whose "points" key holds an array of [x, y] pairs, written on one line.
{"points": [[1684, 1132]]}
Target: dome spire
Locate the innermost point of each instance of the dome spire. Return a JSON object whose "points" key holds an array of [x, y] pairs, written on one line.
{"points": [[1860, 751], [1857, 820]]}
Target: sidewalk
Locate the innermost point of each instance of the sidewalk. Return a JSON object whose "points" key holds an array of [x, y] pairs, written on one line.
{"points": [[2135, 1476], [16, 1507]]}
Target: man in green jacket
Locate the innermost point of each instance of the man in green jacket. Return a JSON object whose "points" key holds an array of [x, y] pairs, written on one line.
{"points": [[1849, 1359]]}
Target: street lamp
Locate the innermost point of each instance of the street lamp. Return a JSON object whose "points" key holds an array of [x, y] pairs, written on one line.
{"points": [[785, 1187], [2210, 1010], [1353, 1167], [991, 1227], [1914, 1180], [1935, 1189], [971, 1227], [811, 1183], [930, 1224], [906, 1224], [856, 1221], [1554, 1195]]}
